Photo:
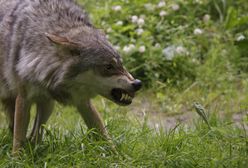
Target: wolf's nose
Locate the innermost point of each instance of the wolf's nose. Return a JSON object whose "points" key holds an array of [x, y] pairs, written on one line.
{"points": [[137, 84]]}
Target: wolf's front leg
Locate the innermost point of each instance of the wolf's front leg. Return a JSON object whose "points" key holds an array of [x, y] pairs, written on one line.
{"points": [[43, 112], [21, 121], [92, 118]]}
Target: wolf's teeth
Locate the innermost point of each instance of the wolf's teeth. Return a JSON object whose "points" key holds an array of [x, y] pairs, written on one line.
{"points": [[122, 96], [125, 97]]}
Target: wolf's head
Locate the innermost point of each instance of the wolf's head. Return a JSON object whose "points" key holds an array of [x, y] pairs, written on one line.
{"points": [[97, 66]]}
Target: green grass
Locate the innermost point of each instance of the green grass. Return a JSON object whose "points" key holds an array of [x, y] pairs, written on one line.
{"points": [[139, 146], [212, 72]]}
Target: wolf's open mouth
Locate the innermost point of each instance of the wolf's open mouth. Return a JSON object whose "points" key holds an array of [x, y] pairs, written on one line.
{"points": [[122, 96]]}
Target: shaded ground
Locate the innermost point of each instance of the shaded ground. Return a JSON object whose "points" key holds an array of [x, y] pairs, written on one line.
{"points": [[144, 110]]}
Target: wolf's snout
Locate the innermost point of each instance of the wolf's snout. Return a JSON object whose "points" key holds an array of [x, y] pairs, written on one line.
{"points": [[137, 84]]}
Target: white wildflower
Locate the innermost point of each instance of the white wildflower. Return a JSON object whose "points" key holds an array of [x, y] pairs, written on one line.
{"points": [[109, 30], [133, 41], [157, 45], [129, 48], [163, 13], [194, 60], [198, 31], [116, 47], [140, 31], [240, 37], [149, 7], [141, 22], [107, 36], [181, 27], [117, 8], [132, 46], [169, 52], [175, 7], [198, 1], [161, 4], [206, 18], [134, 19], [142, 49], [181, 50], [119, 23], [126, 49]]}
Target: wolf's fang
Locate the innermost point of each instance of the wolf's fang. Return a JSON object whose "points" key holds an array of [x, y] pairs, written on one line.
{"points": [[122, 97]]}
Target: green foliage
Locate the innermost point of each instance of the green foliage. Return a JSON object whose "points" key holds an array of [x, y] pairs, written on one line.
{"points": [[242, 61], [190, 30]]}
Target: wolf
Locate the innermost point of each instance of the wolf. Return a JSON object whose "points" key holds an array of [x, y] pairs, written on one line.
{"points": [[50, 51]]}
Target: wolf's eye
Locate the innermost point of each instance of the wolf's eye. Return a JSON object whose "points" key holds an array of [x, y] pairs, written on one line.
{"points": [[109, 67]]}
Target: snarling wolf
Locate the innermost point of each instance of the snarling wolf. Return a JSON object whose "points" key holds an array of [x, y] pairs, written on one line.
{"points": [[50, 51]]}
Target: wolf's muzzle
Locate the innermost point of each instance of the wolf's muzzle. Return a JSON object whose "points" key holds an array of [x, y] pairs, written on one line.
{"points": [[123, 96]]}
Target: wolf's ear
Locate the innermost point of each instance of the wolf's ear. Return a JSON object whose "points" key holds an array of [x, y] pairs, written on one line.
{"points": [[61, 40]]}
